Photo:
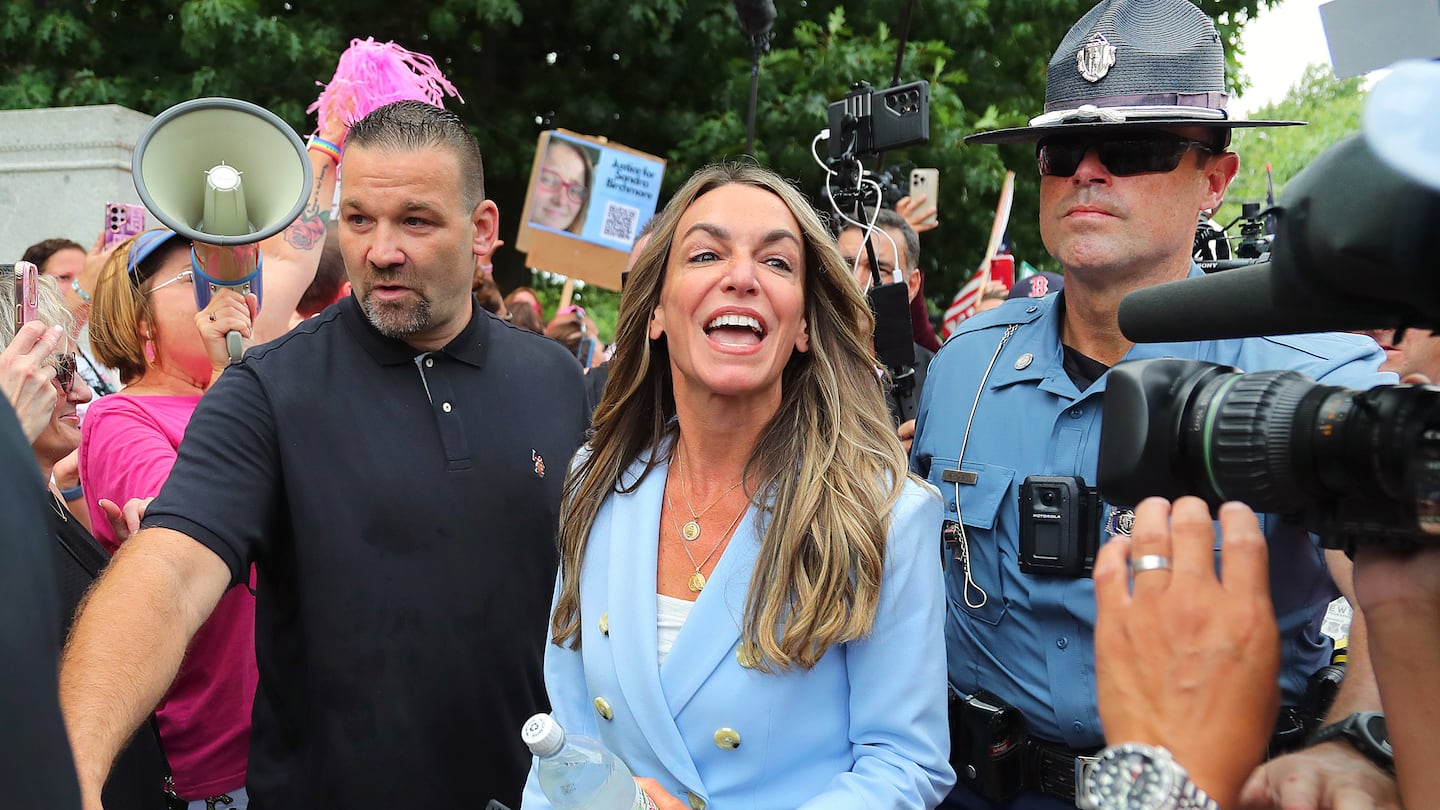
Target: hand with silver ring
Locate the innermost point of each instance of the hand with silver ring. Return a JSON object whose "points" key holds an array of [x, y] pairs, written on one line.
{"points": [[1183, 658], [1149, 562], [228, 311]]}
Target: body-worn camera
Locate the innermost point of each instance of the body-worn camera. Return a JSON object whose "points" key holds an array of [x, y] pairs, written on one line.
{"points": [[1351, 464], [1059, 526]]}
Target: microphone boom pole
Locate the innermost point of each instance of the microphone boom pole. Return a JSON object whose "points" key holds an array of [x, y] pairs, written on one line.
{"points": [[756, 18]]}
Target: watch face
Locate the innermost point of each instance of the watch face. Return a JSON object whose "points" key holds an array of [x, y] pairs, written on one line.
{"points": [[1379, 735], [1131, 780]]}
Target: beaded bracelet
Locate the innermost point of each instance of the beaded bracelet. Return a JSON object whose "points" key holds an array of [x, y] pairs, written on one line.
{"points": [[325, 148], [75, 285]]}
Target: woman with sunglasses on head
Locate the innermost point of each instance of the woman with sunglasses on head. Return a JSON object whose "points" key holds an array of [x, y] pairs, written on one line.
{"points": [[562, 191], [146, 324], [138, 779]]}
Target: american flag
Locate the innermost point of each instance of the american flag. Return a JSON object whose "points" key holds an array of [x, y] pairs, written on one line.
{"points": [[963, 305]]}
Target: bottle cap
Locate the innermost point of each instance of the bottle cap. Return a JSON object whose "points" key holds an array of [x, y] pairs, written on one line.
{"points": [[543, 735]]}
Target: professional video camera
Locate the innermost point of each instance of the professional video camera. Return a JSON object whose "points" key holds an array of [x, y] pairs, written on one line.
{"points": [[1356, 248], [865, 123], [1213, 249]]}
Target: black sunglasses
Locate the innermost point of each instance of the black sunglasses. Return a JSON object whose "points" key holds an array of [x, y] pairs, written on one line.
{"points": [[65, 372], [1060, 156]]}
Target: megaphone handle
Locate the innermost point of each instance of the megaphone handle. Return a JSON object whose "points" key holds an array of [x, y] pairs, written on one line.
{"points": [[233, 345]]}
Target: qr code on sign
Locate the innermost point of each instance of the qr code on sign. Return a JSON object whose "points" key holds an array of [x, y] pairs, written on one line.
{"points": [[619, 222]]}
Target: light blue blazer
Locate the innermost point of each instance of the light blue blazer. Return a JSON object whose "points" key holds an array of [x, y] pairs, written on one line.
{"points": [[865, 728]]}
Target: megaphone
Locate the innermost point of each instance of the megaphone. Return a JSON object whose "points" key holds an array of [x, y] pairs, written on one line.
{"points": [[225, 174]]}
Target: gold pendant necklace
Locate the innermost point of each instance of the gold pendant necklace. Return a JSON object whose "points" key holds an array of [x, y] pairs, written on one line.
{"points": [[697, 580], [691, 530]]}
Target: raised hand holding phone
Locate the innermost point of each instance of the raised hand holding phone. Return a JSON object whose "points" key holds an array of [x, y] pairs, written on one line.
{"points": [[924, 199], [1002, 271], [25, 367], [122, 221], [27, 292]]}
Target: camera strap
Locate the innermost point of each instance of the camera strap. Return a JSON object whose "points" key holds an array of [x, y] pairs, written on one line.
{"points": [[958, 476]]}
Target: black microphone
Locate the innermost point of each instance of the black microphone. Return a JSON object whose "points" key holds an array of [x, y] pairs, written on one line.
{"points": [[894, 341], [1243, 302], [756, 16]]}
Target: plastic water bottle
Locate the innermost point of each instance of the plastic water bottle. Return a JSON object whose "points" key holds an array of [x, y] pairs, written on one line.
{"points": [[578, 773]]}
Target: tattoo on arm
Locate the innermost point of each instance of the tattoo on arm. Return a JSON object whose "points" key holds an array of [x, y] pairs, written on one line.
{"points": [[307, 232]]}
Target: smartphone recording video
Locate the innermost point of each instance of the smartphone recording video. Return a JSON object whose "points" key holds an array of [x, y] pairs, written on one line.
{"points": [[27, 292]]}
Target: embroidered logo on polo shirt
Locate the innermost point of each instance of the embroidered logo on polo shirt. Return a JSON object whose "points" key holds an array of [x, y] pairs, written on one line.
{"points": [[539, 462]]}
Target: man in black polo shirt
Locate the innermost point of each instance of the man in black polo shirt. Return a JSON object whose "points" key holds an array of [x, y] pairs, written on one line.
{"points": [[393, 468], [35, 768]]}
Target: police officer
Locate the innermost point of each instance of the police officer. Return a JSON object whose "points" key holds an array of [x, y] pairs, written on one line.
{"points": [[1130, 148]]}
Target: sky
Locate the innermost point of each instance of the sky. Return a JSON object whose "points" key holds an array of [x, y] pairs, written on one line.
{"points": [[1279, 43]]}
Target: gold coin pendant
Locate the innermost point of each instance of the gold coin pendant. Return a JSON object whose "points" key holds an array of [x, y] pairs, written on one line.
{"points": [[697, 582]]}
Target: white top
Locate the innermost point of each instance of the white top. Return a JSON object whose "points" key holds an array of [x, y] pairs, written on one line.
{"points": [[672, 614]]}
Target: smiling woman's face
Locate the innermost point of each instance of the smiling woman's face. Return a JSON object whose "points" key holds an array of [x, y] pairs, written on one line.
{"points": [[560, 190], [732, 308], [62, 435]]}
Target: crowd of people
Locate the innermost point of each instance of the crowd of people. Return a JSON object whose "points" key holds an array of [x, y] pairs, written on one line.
{"points": [[761, 567]]}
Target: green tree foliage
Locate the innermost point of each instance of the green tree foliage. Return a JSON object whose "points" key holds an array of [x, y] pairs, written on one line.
{"points": [[665, 76], [1331, 106]]}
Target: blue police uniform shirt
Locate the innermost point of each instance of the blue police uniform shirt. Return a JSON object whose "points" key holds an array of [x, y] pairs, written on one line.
{"points": [[1030, 639]]}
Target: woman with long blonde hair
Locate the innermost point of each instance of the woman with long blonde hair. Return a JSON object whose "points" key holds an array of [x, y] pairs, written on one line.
{"points": [[750, 604]]}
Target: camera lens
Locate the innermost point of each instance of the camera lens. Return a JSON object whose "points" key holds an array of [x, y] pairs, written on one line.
{"points": [[1246, 436], [1047, 497], [1358, 465]]}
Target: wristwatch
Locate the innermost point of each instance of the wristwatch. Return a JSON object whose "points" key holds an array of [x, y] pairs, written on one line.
{"points": [[1132, 776], [1366, 732]]}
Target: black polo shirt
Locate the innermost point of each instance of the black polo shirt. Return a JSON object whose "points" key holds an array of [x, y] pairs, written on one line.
{"points": [[401, 512], [35, 765]]}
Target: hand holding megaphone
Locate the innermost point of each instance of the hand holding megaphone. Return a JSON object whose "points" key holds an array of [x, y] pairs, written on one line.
{"points": [[226, 174], [230, 316]]}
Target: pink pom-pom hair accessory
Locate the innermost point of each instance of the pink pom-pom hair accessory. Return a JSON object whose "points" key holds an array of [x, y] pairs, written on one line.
{"points": [[372, 74]]}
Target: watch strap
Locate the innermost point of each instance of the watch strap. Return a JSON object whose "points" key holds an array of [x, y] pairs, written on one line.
{"points": [[1193, 798], [1365, 732]]}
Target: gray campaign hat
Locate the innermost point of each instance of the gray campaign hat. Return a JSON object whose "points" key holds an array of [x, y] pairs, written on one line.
{"points": [[1133, 64]]}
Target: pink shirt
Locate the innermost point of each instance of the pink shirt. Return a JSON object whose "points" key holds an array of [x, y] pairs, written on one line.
{"points": [[126, 450]]}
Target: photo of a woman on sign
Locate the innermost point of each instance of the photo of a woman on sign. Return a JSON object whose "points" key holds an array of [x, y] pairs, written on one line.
{"points": [[562, 188]]}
